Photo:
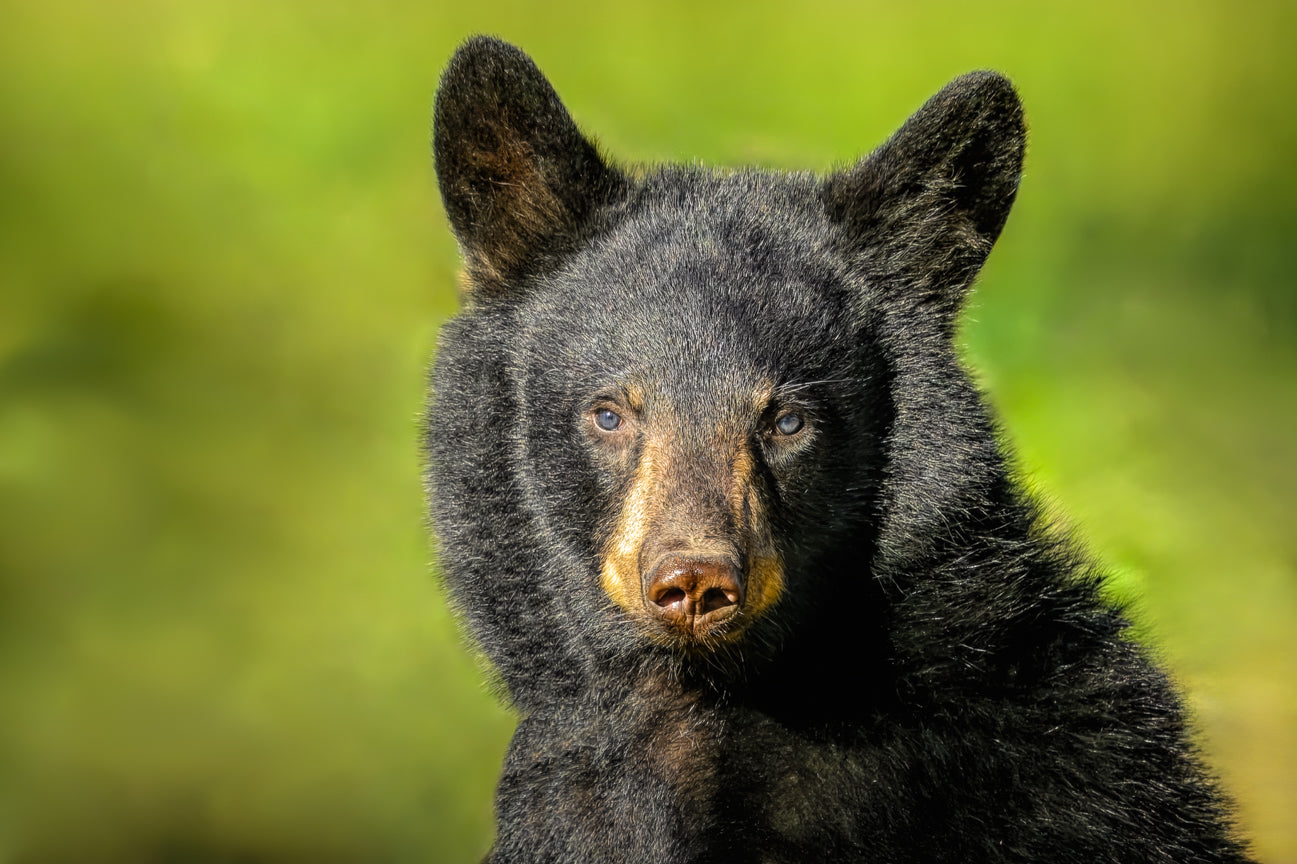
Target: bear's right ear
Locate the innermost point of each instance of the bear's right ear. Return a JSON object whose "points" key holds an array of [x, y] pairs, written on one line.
{"points": [[921, 212], [519, 181]]}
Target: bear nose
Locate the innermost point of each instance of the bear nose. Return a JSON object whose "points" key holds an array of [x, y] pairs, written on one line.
{"points": [[692, 593]]}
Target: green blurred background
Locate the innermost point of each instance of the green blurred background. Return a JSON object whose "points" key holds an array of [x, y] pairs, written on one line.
{"points": [[223, 265]]}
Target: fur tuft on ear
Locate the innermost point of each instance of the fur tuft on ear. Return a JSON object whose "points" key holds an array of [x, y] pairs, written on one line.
{"points": [[520, 183], [921, 212]]}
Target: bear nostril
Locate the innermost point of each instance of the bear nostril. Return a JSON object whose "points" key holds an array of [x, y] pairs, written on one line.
{"points": [[691, 592], [718, 598], [669, 597]]}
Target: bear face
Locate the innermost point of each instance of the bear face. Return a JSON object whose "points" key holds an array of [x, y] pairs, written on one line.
{"points": [[732, 329], [682, 453]]}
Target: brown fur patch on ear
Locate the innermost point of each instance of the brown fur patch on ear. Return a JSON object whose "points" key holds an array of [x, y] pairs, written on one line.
{"points": [[464, 281], [523, 209]]}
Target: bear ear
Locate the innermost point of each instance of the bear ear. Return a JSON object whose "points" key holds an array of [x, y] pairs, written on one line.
{"points": [[921, 212], [521, 185]]}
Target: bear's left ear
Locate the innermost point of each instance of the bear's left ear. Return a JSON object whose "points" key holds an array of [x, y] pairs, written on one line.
{"points": [[921, 212], [521, 184]]}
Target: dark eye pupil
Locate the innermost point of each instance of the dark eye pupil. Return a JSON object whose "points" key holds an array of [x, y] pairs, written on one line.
{"points": [[789, 424], [607, 420]]}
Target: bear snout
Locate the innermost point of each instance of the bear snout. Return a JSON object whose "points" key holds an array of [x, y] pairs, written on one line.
{"points": [[693, 594]]}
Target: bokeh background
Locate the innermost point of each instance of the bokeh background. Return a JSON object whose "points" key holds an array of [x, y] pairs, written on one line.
{"points": [[223, 264]]}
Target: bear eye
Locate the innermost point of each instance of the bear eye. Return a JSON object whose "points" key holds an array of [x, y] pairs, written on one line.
{"points": [[789, 424], [607, 420]]}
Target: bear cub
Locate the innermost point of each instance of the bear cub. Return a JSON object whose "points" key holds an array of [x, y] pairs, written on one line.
{"points": [[732, 525]]}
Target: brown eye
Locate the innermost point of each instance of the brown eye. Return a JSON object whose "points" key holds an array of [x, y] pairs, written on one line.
{"points": [[607, 420], [789, 424]]}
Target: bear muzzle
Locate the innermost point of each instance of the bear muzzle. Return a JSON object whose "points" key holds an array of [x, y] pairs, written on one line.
{"points": [[693, 594]]}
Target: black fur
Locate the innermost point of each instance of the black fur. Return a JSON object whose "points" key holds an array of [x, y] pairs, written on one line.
{"points": [[940, 680]]}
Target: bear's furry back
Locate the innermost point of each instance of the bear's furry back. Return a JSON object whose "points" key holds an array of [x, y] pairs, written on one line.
{"points": [[941, 680]]}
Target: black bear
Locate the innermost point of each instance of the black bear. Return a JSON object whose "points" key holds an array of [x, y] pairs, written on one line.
{"points": [[733, 526]]}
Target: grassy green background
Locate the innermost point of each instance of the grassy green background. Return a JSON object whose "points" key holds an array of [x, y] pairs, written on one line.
{"points": [[223, 265]]}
